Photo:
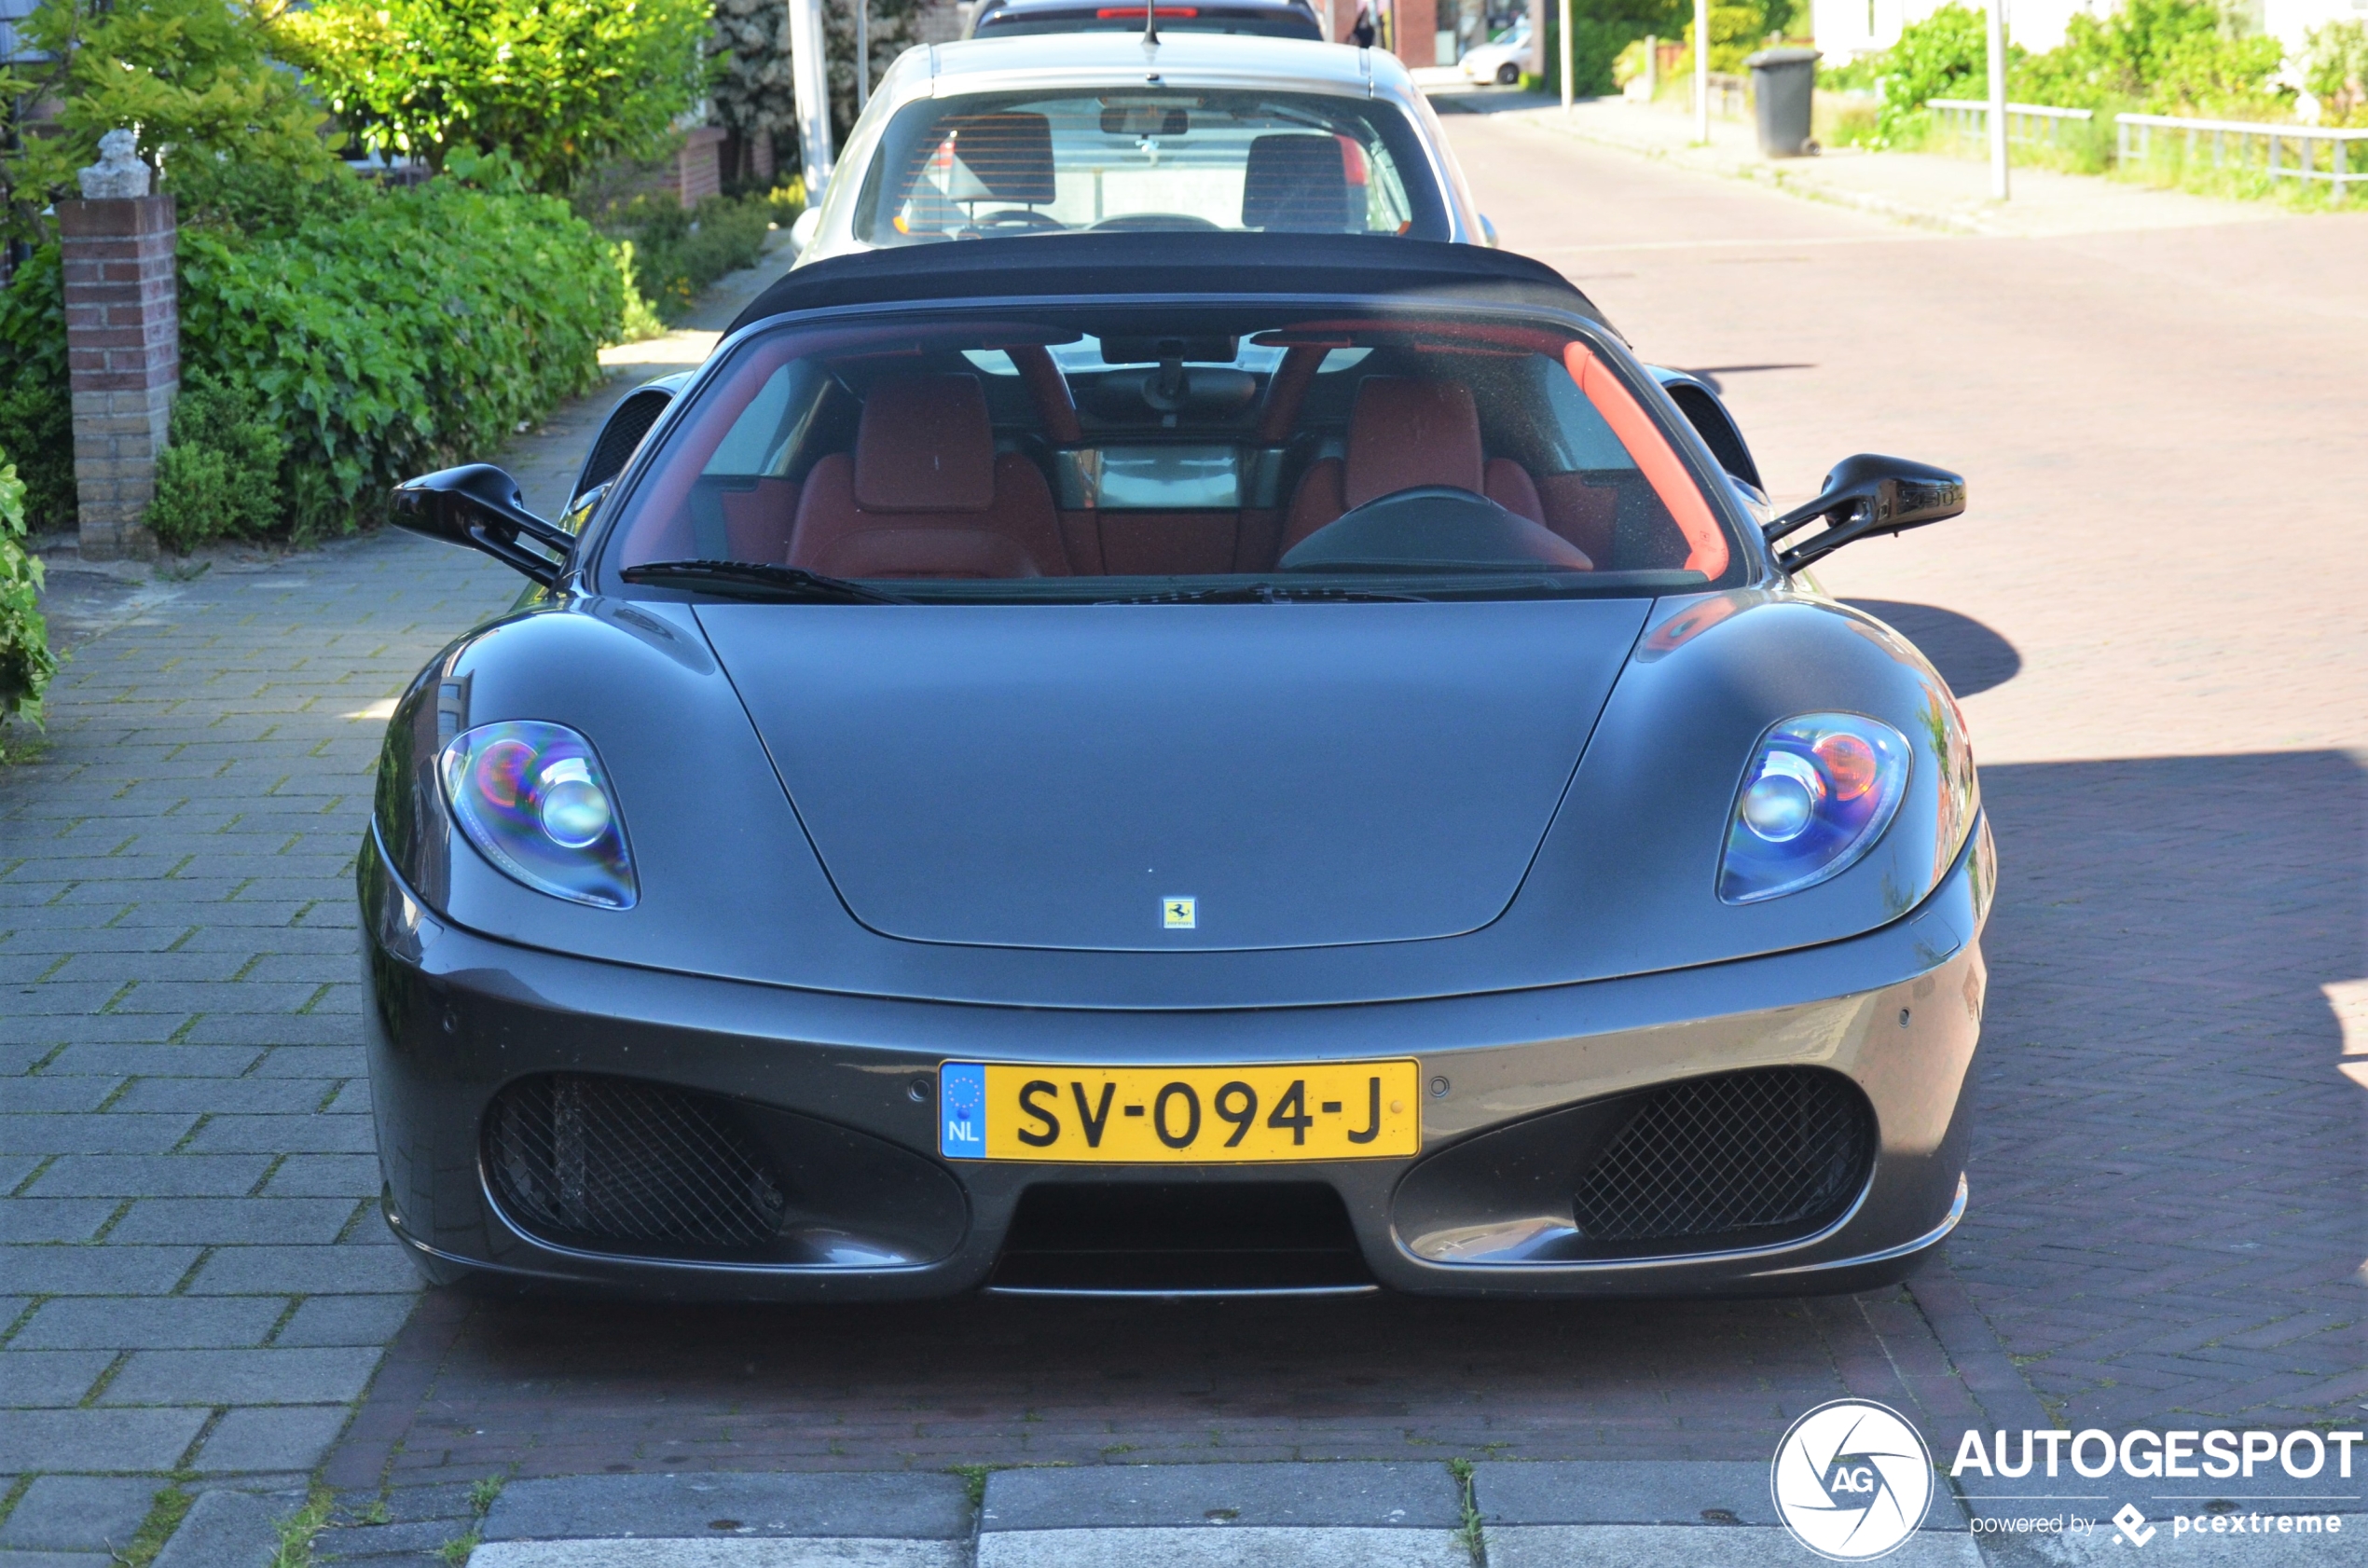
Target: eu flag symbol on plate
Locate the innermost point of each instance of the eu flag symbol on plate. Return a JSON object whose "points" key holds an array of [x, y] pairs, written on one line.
{"points": [[961, 1105]]}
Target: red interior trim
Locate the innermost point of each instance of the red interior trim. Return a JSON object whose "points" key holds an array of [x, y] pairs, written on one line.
{"points": [[1049, 389], [1288, 389], [1706, 542]]}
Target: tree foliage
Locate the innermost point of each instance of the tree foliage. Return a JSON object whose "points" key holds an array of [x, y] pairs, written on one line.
{"points": [[1946, 55], [560, 85], [755, 89], [2163, 57], [2336, 72], [195, 76]]}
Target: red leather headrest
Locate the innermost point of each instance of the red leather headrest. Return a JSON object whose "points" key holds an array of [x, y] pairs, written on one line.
{"points": [[925, 445], [1406, 433]]}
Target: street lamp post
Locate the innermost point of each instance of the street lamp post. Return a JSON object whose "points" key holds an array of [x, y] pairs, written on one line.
{"points": [[1997, 40], [1701, 70], [1567, 88], [811, 79]]}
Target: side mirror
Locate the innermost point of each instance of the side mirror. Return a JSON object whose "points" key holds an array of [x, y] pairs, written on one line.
{"points": [[1864, 496], [479, 505], [802, 230]]}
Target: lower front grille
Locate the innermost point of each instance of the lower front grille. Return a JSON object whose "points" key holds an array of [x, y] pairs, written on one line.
{"points": [[613, 1162], [1776, 1148], [1180, 1239]]}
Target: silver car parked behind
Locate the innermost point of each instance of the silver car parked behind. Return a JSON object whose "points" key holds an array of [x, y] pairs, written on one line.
{"points": [[1101, 133]]}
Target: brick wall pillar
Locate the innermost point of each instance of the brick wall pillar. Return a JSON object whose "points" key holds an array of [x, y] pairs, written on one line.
{"points": [[123, 349], [698, 164]]}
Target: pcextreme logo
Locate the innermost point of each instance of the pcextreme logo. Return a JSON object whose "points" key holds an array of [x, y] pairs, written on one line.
{"points": [[1851, 1480]]}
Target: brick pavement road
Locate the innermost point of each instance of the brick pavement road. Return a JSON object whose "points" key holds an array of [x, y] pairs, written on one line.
{"points": [[194, 1275], [2168, 1212], [2170, 1175]]}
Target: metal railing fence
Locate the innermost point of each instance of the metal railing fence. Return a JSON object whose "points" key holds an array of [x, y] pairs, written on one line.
{"points": [[2030, 124], [2283, 152]]}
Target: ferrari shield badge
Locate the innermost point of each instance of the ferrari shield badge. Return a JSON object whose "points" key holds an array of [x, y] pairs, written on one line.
{"points": [[1179, 915]]}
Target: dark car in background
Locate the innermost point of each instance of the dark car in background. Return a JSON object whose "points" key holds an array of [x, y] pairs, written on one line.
{"points": [[1259, 19]]}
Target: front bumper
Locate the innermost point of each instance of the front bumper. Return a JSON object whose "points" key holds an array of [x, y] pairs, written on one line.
{"points": [[454, 1017]]}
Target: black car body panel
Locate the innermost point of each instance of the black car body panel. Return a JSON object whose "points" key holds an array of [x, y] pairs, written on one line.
{"points": [[1482, 835]]}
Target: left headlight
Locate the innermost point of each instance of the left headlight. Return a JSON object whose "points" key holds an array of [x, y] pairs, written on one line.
{"points": [[531, 797], [1820, 790]]}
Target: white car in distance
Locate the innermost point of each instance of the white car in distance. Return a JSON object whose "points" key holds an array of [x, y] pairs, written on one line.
{"points": [[1057, 134], [1501, 58]]}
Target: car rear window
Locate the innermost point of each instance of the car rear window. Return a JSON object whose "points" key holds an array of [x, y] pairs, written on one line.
{"points": [[1095, 454], [1147, 158]]}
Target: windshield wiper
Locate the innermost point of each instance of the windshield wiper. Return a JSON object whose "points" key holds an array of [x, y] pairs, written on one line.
{"points": [[1267, 593], [759, 580]]}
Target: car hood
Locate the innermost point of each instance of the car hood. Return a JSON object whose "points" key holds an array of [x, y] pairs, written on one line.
{"points": [[1057, 777]]}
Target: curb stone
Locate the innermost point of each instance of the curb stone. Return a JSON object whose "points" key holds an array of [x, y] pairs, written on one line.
{"points": [[228, 1529]]}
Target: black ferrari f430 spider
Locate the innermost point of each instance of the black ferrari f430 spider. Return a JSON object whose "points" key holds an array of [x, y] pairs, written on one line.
{"points": [[1089, 766]]}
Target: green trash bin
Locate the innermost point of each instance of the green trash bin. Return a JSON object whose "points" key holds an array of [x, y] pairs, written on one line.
{"points": [[1783, 86]]}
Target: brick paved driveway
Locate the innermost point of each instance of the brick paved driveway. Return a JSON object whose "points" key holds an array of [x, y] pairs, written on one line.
{"points": [[2152, 592], [2170, 1178]]}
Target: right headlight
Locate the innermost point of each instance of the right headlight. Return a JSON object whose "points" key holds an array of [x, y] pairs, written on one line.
{"points": [[1820, 790], [531, 797]]}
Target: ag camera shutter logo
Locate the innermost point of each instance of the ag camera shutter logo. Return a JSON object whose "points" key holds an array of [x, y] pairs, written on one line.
{"points": [[1851, 1480]]}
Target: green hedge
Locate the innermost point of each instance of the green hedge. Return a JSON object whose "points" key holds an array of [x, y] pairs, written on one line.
{"points": [[672, 256], [26, 663], [36, 416], [418, 328], [376, 335]]}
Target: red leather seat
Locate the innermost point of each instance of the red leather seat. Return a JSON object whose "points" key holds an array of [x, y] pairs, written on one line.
{"points": [[925, 494], [1404, 433]]}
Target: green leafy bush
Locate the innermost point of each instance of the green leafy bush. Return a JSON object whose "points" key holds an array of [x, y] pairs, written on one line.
{"points": [[2336, 72], [36, 410], [195, 75], [219, 475], [2162, 57], [26, 662], [1946, 55], [673, 254], [1601, 32], [2158, 58], [420, 326]]}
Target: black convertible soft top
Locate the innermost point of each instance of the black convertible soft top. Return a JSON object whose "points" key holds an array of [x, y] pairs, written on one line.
{"points": [[1073, 266]]}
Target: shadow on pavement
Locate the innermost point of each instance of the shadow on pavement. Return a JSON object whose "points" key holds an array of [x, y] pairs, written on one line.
{"points": [[1970, 657], [2169, 1163]]}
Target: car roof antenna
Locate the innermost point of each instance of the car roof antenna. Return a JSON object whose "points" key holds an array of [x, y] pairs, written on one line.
{"points": [[1150, 24]]}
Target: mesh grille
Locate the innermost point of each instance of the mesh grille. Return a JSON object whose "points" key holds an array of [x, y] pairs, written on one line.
{"points": [[610, 1160], [1740, 1152], [620, 435]]}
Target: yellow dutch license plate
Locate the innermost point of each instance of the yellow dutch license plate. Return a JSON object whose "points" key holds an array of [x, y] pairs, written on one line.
{"points": [[1179, 1116]]}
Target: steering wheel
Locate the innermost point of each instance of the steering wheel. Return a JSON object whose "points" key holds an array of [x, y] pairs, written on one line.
{"points": [[1023, 219], [1432, 527], [1164, 223]]}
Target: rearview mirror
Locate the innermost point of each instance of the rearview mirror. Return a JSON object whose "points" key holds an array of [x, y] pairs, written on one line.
{"points": [[479, 505], [1864, 496]]}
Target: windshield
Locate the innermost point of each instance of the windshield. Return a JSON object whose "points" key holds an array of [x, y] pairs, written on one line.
{"points": [[1261, 21], [1147, 158], [1118, 453]]}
